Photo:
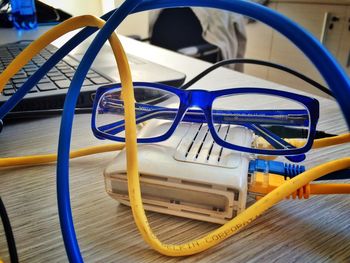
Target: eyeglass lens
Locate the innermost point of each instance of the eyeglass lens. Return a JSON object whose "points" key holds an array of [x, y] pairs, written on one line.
{"points": [[265, 115], [149, 107]]}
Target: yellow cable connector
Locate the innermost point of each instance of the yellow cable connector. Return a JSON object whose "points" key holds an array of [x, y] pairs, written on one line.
{"points": [[260, 186]]}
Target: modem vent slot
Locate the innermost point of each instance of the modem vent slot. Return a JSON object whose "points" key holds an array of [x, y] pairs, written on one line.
{"points": [[198, 146]]}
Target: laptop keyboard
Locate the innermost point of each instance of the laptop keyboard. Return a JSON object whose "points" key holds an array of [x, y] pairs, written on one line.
{"points": [[59, 77]]}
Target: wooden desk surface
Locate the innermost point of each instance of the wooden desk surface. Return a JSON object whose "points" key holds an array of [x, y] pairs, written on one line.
{"points": [[325, 2], [314, 230]]}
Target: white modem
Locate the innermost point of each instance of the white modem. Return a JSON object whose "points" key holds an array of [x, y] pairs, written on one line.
{"points": [[189, 175]]}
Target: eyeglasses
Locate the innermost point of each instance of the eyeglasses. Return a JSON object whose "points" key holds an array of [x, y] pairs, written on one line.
{"points": [[222, 113]]}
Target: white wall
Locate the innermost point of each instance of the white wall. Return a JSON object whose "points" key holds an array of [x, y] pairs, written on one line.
{"points": [[133, 25], [77, 7], [136, 24]]}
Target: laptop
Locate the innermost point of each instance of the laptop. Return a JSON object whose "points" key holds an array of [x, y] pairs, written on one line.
{"points": [[47, 97]]}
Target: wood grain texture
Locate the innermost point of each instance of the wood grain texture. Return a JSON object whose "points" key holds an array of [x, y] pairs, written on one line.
{"points": [[327, 2], [314, 230]]}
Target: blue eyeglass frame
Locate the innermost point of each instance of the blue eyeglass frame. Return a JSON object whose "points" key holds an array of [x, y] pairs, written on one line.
{"points": [[204, 99]]}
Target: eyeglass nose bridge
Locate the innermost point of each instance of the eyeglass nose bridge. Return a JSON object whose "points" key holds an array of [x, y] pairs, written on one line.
{"points": [[200, 99]]}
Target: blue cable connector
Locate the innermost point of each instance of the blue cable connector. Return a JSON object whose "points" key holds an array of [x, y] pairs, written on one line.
{"points": [[274, 167]]}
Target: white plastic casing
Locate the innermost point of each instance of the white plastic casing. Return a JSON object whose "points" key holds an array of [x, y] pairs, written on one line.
{"points": [[188, 175]]}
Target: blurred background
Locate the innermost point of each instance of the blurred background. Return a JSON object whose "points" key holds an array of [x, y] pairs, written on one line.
{"points": [[327, 20]]}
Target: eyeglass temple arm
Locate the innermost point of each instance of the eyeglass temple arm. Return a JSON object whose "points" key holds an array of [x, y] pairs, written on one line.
{"points": [[283, 117], [273, 139], [119, 126], [270, 137], [276, 141], [166, 113]]}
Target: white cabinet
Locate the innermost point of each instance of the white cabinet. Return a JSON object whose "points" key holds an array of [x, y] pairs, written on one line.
{"points": [[327, 22], [344, 45], [259, 41]]}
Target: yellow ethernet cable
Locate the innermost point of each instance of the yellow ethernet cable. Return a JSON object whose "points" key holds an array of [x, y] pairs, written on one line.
{"points": [[52, 157], [324, 142], [48, 158], [330, 141], [298, 143]]}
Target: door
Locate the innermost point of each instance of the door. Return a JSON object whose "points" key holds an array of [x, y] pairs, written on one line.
{"points": [[344, 49], [325, 22]]}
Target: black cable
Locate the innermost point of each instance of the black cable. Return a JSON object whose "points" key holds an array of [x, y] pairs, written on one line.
{"points": [[8, 232], [37, 114], [288, 132], [337, 175], [284, 132], [261, 63], [3, 3]]}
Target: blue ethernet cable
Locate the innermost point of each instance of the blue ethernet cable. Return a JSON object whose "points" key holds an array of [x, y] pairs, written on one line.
{"points": [[285, 169], [63, 196], [327, 66]]}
